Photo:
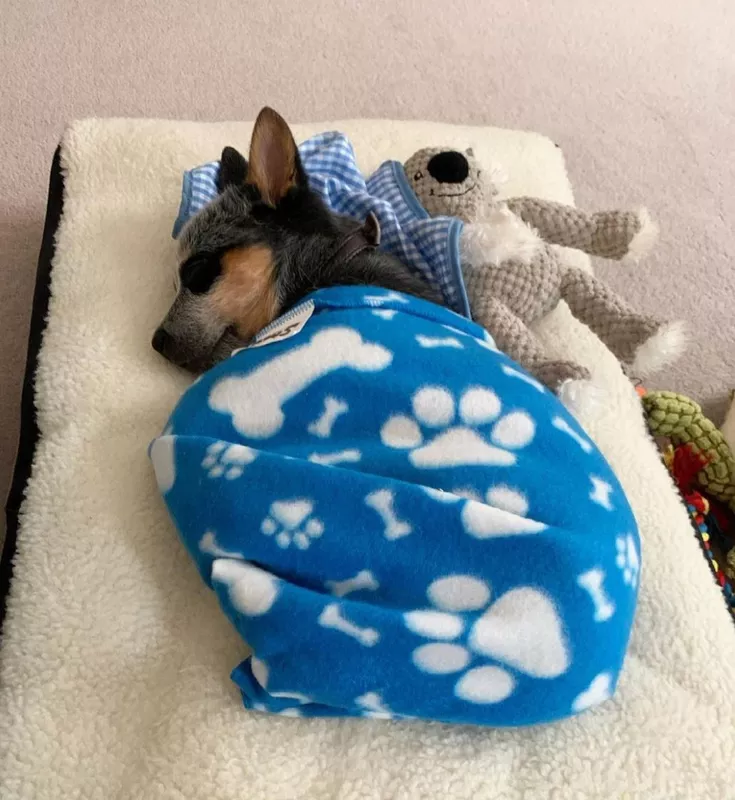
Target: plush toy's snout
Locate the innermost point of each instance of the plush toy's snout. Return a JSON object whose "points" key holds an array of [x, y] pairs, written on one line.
{"points": [[449, 167], [446, 182]]}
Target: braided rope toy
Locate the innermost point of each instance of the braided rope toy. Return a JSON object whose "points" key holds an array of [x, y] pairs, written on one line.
{"points": [[697, 452], [681, 420]]}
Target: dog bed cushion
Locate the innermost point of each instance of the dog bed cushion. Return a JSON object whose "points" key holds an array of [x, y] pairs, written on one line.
{"points": [[115, 656]]}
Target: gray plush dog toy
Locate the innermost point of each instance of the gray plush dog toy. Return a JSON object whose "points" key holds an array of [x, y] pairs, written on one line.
{"points": [[514, 275]]}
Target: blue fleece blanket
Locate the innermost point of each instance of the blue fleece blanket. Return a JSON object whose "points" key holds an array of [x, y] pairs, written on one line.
{"points": [[427, 245], [401, 522]]}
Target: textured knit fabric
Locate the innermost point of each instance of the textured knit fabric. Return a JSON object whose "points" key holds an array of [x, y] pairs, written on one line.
{"points": [[516, 339], [506, 299], [401, 522], [607, 234], [428, 245], [614, 320]]}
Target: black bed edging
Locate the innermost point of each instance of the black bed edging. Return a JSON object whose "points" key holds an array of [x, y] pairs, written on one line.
{"points": [[28, 424]]}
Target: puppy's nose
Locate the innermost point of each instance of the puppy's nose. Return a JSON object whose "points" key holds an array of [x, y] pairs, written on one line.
{"points": [[448, 167], [160, 340]]}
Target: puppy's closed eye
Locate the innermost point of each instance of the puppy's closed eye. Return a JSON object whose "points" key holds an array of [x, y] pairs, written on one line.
{"points": [[199, 272]]}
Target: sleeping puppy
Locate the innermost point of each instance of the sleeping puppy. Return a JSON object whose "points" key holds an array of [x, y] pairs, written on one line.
{"points": [[266, 242], [396, 518]]}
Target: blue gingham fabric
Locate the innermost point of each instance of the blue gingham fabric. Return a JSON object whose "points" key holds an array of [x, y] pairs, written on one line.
{"points": [[199, 187], [401, 522], [428, 245]]}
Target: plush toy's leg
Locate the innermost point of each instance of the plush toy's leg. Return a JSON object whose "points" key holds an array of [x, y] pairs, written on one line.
{"points": [[608, 234], [642, 343], [516, 340]]}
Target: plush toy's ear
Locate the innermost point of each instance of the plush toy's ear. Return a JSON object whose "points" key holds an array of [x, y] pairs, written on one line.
{"points": [[275, 166], [233, 169]]}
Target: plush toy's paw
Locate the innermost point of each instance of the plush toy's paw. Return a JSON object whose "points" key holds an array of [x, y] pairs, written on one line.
{"points": [[642, 243], [660, 350], [582, 397], [555, 373]]}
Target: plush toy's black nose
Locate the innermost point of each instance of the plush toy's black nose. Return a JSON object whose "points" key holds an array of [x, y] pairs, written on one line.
{"points": [[449, 167], [160, 340]]}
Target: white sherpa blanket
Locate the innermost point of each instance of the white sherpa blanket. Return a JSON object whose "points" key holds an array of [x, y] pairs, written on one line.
{"points": [[116, 657]]}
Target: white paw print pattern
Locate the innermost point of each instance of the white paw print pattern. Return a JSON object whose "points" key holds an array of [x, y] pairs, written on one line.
{"points": [[291, 522], [627, 559], [227, 460], [504, 514], [521, 629], [458, 435], [163, 460]]}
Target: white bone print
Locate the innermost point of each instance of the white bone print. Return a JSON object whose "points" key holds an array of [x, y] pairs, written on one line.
{"points": [[522, 376], [363, 580], [351, 456], [208, 544], [593, 582], [333, 409], [255, 401], [439, 341], [562, 425], [382, 501], [374, 706], [331, 617]]}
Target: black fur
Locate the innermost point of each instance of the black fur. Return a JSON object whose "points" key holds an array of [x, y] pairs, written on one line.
{"points": [[233, 169], [199, 272]]}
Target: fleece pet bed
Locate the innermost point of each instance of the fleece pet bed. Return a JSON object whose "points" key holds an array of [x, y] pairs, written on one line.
{"points": [[115, 656]]}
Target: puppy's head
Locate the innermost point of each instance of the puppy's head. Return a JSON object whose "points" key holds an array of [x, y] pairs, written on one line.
{"points": [[243, 257]]}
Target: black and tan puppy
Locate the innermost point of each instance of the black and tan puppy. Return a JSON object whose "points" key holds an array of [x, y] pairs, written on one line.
{"points": [[266, 242]]}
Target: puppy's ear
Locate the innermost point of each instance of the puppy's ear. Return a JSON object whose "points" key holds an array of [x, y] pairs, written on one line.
{"points": [[233, 169], [275, 166]]}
